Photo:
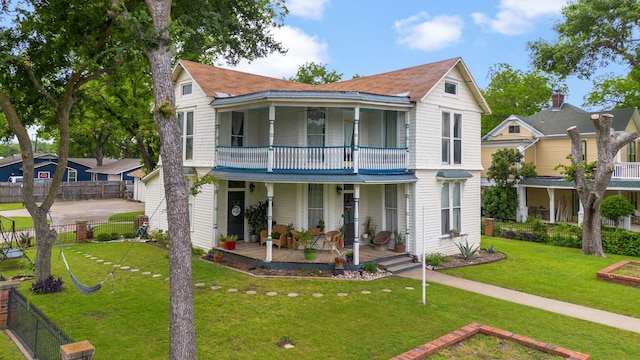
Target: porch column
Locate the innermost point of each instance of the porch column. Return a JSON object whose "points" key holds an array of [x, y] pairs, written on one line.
{"points": [[356, 224], [523, 211], [356, 142], [552, 205], [215, 216], [272, 120], [580, 213], [407, 214], [406, 139], [269, 220]]}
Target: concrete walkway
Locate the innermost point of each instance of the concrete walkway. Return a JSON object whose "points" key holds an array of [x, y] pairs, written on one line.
{"points": [[577, 311]]}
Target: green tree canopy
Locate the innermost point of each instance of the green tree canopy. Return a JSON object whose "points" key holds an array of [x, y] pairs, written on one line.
{"points": [[514, 92], [611, 92], [594, 34], [501, 200], [312, 73]]}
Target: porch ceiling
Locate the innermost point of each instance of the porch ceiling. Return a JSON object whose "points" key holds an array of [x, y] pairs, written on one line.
{"points": [[319, 178]]}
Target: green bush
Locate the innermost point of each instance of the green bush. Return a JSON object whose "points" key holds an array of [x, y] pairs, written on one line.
{"points": [[435, 259], [371, 267], [103, 237], [616, 206]]}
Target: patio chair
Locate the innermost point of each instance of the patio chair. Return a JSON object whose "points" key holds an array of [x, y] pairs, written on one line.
{"points": [[331, 238], [294, 239], [381, 239], [282, 238]]}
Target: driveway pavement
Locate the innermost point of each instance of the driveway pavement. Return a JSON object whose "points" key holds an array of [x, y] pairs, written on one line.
{"points": [[67, 212]]}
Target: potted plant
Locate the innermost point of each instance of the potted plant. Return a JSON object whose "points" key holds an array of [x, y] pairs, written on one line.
{"points": [[231, 241], [289, 235], [25, 239], [222, 240], [369, 228], [216, 255], [454, 233], [256, 216], [341, 258], [89, 232], [306, 240], [399, 240], [321, 224]]}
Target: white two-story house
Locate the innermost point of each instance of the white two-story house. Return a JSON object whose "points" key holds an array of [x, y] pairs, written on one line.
{"points": [[401, 147]]}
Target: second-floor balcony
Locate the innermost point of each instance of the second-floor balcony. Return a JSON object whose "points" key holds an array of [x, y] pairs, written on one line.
{"points": [[626, 170], [313, 158]]}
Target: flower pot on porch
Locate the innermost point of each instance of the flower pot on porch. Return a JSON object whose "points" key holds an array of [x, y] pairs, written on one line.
{"points": [[231, 245], [253, 238], [339, 263], [310, 254], [223, 244], [400, 249]]}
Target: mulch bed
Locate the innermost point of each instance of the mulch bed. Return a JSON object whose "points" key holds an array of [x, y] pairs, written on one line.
{"points": [[482, 257]]}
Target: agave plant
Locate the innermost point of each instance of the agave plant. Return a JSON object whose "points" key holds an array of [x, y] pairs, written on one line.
{"points": [[467, 251]]}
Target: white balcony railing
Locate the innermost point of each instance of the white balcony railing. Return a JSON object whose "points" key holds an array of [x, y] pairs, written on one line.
{"points": [[312, 158], [626, 170]]}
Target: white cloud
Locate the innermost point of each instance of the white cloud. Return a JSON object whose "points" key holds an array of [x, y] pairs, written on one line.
{"points": [[518, 16], [310, 9], [302, 48], [423, 32]]}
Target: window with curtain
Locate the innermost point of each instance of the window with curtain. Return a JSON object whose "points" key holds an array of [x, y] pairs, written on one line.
{"points": [[450, 207], [391, 206], [185, 122], [316, 206], [451, 138], [237, 128], [315, 132], [631, 152], [390, 129]]}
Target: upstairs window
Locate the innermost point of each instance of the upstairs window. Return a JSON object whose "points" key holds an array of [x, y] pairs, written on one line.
{"points": [[514, 129], [186, 89], [450, 88], [237, 128], [631, 152], [185, 122], [451, 138]]}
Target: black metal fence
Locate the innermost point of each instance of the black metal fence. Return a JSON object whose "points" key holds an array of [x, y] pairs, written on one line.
{"points": [[41, 337]]}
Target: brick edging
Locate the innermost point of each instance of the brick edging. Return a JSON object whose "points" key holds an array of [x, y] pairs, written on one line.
{"points": [[474, 328], [607, 274]]}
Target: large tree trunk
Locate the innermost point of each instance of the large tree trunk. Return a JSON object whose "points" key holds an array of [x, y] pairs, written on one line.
{"points": [[182, 343], [591, 191]]}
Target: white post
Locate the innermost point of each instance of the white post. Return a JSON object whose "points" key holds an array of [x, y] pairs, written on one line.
{"points": [[356, 224], [215, 215], [356, 139], [407, 215], [552, 205], [424, 261], [269, 186], [272, 120]]}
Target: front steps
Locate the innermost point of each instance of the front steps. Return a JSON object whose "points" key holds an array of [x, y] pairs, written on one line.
{"points": [[399, 264]]}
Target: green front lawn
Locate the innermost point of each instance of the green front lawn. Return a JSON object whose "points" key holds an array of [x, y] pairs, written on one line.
{"points": [[133, 320], [554, 272]]}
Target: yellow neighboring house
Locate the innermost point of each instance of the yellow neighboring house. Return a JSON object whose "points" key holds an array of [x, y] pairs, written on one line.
{"points": [[543, 140]]}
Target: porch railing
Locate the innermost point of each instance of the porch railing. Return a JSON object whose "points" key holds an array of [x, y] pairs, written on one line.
{"points": [[312, 158], [626, 170]]}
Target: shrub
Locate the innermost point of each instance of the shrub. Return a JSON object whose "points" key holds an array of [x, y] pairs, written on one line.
{"points": [[435, 259], [50, 285], [371, 267], [616, 206], [159, 236], [491, 249], [196, 251], [103, 237], [467, 251]]}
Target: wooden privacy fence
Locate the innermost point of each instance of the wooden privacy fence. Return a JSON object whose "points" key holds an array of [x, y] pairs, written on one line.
{"points": [[80, 190]]}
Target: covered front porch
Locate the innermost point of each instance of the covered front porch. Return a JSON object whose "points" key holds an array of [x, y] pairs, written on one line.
{"points": [[255, 254]]}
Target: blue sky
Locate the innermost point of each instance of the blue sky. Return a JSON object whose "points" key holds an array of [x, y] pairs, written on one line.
{"points": [[367, 37]]}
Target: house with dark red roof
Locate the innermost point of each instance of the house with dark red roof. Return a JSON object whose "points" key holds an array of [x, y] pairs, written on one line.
{"points": [[399, 151]]}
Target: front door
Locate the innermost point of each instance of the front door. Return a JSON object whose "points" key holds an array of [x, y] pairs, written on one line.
{"points": [[235, 214], [347, 217]]}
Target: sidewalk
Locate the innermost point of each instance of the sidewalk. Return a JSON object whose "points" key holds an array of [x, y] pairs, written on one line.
{"points": [[577, 311]]}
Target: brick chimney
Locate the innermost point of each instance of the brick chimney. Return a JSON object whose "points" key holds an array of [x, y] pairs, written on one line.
{"points": [[557, 99]]}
